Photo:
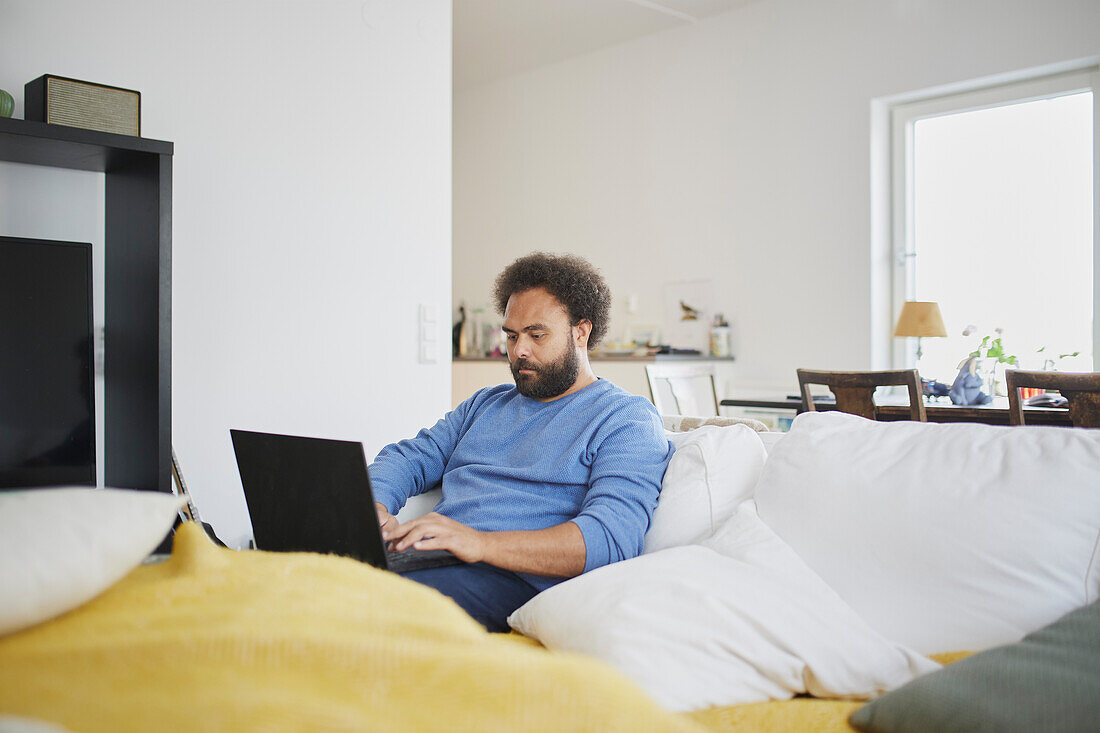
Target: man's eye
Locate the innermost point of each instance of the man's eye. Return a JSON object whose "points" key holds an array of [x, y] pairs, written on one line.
{"points": [[537, 336], [511, 337]]}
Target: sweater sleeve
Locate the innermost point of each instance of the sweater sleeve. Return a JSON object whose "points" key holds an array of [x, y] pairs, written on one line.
{"points": [[413, 466], [624, 483]]}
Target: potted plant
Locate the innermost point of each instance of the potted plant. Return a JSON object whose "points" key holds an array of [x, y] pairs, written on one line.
{"points": [[992, 359]]}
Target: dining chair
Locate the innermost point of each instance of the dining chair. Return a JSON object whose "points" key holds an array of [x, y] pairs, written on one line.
{"points": [[1081, 390], [855, 391], [683, 389]]}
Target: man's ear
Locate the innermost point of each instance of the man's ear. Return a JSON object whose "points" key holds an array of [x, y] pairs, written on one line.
{"points": [[581, 331]]}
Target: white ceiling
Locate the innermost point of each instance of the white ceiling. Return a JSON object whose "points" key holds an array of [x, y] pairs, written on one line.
{"points": [[498, 38]]}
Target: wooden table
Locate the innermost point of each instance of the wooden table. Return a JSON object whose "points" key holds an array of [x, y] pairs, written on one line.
{"points": [[995, 413]]}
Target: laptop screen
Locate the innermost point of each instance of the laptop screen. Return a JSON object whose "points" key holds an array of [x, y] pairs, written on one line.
{"points": [[308, 494]]}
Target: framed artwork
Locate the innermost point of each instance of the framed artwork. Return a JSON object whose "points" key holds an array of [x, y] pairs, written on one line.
{"points": [[688, 313]]}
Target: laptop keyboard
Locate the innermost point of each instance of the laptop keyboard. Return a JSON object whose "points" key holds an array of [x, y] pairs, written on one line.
{"points": [[413, 559]]}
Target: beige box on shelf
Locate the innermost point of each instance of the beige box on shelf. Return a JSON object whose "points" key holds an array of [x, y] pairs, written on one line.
{"points": [[74, 103]]}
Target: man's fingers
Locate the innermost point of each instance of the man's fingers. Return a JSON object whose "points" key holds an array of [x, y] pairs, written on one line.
{"points": [[431, 527], [401, 530], [412, 538], [430, 543], [388, 527], [415, 534], [386, 521]]}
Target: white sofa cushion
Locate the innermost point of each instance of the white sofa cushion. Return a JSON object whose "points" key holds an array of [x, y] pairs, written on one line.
{"points": [[770, 440], [712, 471], [942, 537], [62, 547], [739, 620]]}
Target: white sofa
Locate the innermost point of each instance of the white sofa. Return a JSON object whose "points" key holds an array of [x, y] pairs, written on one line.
{"points": [[832, 559]]}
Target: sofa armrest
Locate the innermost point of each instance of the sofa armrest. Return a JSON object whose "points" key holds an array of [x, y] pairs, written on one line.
{"points": [[682, 423]]}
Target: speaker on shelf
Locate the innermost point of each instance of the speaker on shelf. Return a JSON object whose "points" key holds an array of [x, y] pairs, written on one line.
{"points": [[74, 103]]}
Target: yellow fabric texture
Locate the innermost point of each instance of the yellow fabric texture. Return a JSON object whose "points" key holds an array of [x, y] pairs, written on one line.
{"points": [[799, 715], [802, 714], [217, 640]]}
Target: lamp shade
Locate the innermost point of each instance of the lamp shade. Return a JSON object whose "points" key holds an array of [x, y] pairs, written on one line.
{"points": [[919, 318]]}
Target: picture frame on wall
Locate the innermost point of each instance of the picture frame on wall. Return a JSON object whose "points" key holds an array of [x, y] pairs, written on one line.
{"points": [[688, 313]]}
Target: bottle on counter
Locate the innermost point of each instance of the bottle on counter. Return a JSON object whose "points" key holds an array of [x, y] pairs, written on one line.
{"points": [[459, 334], [720, 337]]}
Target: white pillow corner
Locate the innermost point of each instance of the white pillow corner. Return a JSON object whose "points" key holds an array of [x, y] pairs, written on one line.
{"points": [[61, 547], [713, 469]]}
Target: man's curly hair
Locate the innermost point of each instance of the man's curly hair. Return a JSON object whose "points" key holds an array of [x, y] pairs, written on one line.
{"points": [[572, 280]]}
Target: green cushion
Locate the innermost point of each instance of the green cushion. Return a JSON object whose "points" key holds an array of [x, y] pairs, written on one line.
{"points": [[1049, 681]]}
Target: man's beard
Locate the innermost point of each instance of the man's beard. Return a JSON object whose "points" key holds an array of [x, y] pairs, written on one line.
{"points": [[549, 380]]}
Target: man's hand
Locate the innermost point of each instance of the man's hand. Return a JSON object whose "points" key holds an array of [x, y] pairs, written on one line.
{"points": [[557, 551], [436, 532], [386, 522]]}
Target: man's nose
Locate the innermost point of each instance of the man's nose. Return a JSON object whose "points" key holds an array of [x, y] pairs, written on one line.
{"points": [[523, 347]]}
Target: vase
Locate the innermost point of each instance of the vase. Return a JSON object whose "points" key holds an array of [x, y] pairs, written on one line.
{"points": [[987, 370], [993, 378], [7, 104]]}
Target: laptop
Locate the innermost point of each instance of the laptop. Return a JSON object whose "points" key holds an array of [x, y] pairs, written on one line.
{"points": [[314, 495]]}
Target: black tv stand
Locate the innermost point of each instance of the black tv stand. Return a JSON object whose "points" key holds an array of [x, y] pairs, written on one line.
{"points": [[137, 287]]}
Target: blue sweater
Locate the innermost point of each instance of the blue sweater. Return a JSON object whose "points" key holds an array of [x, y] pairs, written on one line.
{"points": [[508, 462]]}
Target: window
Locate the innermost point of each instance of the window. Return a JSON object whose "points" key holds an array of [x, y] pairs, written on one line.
{"points": [[993, 219]]}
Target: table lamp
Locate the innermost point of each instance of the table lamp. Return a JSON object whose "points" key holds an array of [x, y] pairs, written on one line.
{"points": [[920, 319]]}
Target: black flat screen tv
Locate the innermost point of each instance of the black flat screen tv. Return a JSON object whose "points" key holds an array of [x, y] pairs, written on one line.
{"points": [[47, 378]]}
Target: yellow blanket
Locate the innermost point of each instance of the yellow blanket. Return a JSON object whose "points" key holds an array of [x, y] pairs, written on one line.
{"points": [[218, 640]]}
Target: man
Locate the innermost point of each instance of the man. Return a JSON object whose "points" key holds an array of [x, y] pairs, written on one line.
{"points": [[543, 480]]}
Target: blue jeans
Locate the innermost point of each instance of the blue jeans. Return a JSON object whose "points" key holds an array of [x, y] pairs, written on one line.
{"points": [[487, 593]]}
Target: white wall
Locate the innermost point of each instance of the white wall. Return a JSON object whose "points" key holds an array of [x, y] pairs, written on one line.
{"points": [[737, 149], [311, 207]]}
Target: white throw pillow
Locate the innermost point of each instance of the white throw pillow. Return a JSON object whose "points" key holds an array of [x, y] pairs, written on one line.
{"points": [[712, 471], [62, 547], [739, 620], [942, 537]]}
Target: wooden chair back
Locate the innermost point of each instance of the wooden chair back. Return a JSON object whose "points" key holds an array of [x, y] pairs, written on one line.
{"points": [[855, 391], [1081, 390], [683, 389]]}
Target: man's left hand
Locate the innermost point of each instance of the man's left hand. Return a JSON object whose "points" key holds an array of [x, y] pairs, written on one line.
{"points": [[437, 532]]}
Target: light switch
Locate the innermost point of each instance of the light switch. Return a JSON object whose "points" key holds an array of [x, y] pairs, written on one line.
{"points": [[428, 333], [428, 352]]}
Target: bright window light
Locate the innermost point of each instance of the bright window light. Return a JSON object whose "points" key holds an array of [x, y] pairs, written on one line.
{"points": [[1002, 230]]}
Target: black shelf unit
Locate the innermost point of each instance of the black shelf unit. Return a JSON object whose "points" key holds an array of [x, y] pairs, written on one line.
{"points": [[137, 287]]}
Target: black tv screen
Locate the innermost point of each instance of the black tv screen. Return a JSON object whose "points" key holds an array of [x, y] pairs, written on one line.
{"points": [[47, 406]]}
